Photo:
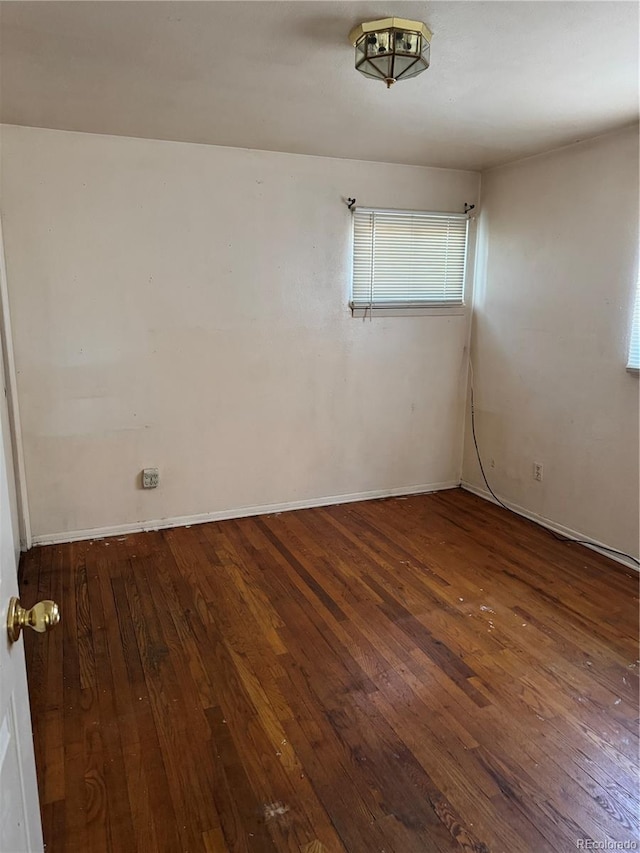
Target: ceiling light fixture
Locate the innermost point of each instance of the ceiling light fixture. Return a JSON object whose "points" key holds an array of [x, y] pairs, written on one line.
{"points": [[391, 49]]}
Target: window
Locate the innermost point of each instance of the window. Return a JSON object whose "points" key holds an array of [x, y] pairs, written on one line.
{"points": [[634, 346], [405, 259]]}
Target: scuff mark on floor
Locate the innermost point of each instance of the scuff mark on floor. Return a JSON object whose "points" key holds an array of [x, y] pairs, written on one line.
{"points": [[272, 810]]}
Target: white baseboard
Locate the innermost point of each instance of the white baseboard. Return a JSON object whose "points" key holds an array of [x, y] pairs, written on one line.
{"points": [[241, 512], [600, 547]]}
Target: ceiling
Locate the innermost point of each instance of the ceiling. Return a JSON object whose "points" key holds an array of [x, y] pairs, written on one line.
{"points": [[507, 79]]}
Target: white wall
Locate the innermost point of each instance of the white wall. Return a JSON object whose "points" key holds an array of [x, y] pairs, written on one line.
{"points": [[558, 254], [185, 307]]}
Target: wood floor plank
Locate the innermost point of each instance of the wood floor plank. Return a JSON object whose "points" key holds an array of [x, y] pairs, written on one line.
{"points": [[77, 715], [152, 808], [429, 673]]}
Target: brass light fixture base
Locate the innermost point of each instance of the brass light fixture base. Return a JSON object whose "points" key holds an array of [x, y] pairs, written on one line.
{"points": [[389, 24]]}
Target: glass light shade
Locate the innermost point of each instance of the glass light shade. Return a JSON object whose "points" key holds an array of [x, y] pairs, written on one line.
{"points": [[391, 52]]}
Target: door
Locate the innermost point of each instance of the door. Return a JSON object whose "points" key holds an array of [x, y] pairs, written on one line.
{"points": [[20, 828]]}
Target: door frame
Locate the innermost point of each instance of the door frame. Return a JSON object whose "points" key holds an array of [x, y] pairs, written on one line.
{"points": [[15, 428]]}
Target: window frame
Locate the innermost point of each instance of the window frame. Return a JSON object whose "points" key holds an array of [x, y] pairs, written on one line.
{"points": [[417, 309]]}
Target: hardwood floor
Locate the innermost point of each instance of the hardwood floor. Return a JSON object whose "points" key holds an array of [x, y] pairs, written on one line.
{"points": [[406, 675]]}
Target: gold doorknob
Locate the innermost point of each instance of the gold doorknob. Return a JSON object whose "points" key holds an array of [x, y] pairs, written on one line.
{"points": [[42, 617]]}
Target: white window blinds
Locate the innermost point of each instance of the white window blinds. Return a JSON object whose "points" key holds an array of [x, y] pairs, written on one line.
{"points": [[407, 258], [634, 346]]}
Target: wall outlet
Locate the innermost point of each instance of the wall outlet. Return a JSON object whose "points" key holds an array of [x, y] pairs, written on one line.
{"points": [[538, 471], [150, 478]]}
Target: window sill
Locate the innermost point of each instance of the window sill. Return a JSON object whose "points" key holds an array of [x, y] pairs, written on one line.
{"points": [[635, 371], [409, 311]]}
